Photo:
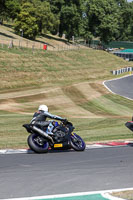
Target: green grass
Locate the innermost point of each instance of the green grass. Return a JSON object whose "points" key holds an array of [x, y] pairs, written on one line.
{"points": [[13, 135], [106, 106]]}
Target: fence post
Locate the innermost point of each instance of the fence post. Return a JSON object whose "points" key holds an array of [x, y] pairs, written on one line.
{"points": [[11, 44], [19, 44], [32, 48]]}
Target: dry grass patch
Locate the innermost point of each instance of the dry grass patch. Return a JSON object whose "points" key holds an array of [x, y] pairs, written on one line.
{"points": [[59, 68], [127, 195], [62, 103]]}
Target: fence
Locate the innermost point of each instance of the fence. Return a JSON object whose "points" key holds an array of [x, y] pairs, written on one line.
{"points": [[20, 44], [62, 46], [37, 45]]}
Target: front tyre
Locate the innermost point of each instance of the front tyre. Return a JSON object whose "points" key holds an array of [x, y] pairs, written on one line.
{"points": [[77, 142], [37, 143]]}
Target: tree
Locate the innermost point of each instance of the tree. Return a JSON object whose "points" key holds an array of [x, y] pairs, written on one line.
{"points": [[2, 5], [26, 22], [2, 11], [70, 18], [125, 21], [103, 19], [35, 18], [56, 6], [46, 20], [12, 8]]}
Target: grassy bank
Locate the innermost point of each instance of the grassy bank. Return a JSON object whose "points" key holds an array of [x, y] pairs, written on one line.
{"points": [[70, 83], [21, 68]]}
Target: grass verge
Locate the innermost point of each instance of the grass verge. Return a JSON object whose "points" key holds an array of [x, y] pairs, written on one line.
{"points": [[127, 195]]}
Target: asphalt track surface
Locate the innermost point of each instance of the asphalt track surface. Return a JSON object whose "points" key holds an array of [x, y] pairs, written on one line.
{"points": [[58, 172], [122, 86]]}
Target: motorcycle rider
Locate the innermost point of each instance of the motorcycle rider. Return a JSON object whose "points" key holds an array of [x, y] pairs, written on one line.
{"points": [[39, 118]]}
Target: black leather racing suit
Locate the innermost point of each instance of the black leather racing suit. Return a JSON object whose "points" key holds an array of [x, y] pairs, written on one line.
{"points": [[39, 119]]}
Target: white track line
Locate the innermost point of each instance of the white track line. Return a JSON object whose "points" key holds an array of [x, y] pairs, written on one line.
{"points": [[102, 192], [28, 151]]}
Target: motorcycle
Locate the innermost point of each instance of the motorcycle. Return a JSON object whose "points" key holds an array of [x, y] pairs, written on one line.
{"points": [[54, 136], [129, 124]]}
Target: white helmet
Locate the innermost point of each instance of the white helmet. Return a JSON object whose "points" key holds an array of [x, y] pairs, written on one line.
{"points": [[43, 108]]}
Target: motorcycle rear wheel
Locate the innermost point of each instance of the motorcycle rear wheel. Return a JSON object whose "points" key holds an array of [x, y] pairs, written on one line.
{"points": [[37, 144], [77, 142]]}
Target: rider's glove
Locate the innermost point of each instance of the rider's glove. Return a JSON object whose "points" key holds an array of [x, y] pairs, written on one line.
{"points": [[64, 121]]}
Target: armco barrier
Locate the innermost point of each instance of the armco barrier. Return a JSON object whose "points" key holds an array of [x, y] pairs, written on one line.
{"points": [[122, 70]]}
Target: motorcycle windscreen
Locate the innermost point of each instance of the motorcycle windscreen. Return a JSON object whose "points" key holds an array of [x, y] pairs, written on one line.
{"points": [[129, 125]]}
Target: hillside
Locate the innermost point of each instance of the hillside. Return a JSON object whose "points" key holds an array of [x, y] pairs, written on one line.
{"points": [[53, 43], [70, 83], [73, 75]]}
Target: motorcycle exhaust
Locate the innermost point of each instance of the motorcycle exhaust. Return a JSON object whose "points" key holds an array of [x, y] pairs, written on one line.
{"points": [[42, 133]]}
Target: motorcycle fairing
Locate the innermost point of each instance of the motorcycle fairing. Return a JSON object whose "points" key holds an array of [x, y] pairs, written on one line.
{"points": [[28, 128], [129, 125]]}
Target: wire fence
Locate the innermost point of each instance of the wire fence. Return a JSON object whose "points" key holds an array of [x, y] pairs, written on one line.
{"points": [[37, 45]]}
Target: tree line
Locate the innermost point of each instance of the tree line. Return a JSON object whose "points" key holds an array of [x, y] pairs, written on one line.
{"points": [[108, 20]]}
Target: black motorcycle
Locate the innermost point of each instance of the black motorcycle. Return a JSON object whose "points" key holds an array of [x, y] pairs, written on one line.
{"points": [[54, 136], [129, 124]]}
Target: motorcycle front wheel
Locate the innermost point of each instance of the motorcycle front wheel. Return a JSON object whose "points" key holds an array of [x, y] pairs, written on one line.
{"points": [[77, 142], [37, 143]]}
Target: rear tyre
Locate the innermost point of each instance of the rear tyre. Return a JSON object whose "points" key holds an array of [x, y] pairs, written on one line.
{"points": [[37, 143], [77, 142]]}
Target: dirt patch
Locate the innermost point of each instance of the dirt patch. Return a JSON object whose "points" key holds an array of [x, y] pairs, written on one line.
{"points": [[99, 88], [55, 98], [11, 106], [91, 90]]}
